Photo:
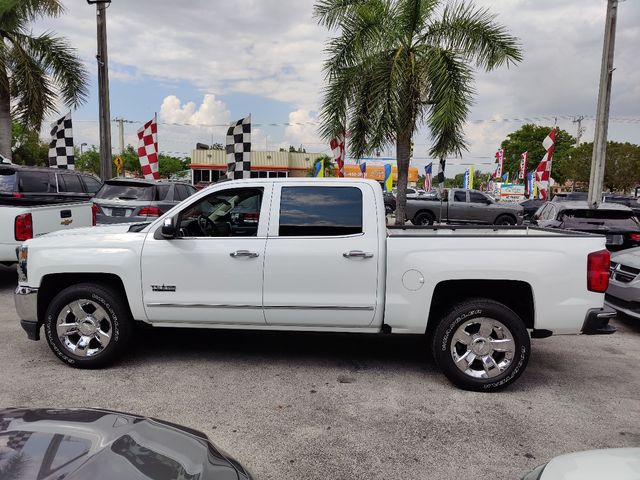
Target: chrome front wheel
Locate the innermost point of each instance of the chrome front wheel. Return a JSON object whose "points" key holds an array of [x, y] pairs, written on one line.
{"points": [[84, 328]]}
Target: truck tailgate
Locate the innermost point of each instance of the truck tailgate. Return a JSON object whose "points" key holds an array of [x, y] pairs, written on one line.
{"points": [[50, 218]]}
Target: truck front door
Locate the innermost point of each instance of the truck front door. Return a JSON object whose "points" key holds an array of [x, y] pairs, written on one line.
{"points": [[321, 263], [211, 273]]}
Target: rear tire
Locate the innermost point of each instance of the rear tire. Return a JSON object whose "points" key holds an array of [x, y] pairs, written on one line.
{"points": [[481, 345], [88, 325], [505, 220], [423, 218]]}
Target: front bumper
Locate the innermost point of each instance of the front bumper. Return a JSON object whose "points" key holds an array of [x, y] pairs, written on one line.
{"points": [[596, 321], [26, 301]]}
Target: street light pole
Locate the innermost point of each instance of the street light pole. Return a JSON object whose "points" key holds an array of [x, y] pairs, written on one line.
{"points": [[596, 178], [103, 89]]}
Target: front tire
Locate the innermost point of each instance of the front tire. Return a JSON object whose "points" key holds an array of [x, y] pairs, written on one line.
{"points": [[481, 345], [87, 326]]}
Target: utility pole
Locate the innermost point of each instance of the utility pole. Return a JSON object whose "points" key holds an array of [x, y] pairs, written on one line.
{"points": [[120, 134], [106, 171], [580, 130], [596, 179]]}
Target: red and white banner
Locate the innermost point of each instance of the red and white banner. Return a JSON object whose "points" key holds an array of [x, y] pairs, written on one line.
{"points": [[148, 149], [522, 172], [500, 159], [337, 148], [543, 171]]}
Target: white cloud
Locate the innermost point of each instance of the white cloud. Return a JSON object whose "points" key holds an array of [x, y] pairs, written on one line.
{"points": [[303, 128], [210, 112]]}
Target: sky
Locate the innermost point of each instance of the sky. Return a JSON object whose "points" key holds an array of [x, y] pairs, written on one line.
{"points": [[208, 62]]}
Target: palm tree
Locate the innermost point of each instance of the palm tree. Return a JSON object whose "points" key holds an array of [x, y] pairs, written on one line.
{"points": [[34, 70], [397, 64]]}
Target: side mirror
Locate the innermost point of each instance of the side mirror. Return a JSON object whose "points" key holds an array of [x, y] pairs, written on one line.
{"points": [[168, 228]]}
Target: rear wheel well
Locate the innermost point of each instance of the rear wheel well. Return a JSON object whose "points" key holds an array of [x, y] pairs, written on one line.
{"points": [[53, 284], [516, 295]]}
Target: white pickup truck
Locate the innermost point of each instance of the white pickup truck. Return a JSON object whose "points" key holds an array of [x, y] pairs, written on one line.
{"points": [[314, 255], [20, 223]]}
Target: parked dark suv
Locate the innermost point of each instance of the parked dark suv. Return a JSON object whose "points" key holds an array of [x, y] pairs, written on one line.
{"points": [[40, 185], [123, 200]]}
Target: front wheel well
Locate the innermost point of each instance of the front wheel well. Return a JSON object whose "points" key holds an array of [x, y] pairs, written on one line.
{"points": [[54, 283], [516, 295]]}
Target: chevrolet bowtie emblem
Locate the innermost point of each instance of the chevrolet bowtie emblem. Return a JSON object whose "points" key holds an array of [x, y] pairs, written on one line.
{"points": [[66, 221]]}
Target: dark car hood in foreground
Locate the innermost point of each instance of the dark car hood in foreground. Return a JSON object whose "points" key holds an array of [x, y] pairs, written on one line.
{"points": [[80, 444]]}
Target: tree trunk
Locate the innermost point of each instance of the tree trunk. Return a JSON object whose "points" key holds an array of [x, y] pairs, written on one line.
{"points": [[5, 116], [403, 152]]}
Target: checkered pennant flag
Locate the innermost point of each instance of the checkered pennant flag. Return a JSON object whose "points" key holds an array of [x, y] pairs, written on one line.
{"points": [[61, 146], [239, 149], [148, 149], [17, 440]]}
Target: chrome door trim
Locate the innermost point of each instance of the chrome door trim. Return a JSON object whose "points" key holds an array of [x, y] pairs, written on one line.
{"points": [[317, 307], [201, 305], [267, 307]]}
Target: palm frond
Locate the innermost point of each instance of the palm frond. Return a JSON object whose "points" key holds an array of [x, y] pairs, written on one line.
{"points": [[450, 93], [331, 13], [31, 89], [475, 33], [60, 61], [413, 14], [29, 10]]}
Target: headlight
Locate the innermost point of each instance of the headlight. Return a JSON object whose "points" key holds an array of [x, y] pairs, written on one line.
{"points": [[23, 254], [535, 474]]}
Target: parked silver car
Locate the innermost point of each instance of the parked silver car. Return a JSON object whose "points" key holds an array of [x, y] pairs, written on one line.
{"points": [[623, 293], [122, 200]]}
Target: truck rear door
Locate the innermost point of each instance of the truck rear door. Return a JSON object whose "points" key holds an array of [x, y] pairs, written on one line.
{"points": [[457, 206], [321, 261]]}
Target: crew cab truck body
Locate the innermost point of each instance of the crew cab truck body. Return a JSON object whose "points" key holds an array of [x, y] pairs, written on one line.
{"points": [[20, 223], [314, 255], [460, 205]]}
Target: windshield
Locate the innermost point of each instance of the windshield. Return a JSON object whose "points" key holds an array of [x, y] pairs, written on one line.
{"points": [[126, 191], [7, 180], [587, 218]]}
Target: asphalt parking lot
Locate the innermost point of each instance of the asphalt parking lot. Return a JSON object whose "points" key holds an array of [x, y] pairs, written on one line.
{"points": [[316, 406]]}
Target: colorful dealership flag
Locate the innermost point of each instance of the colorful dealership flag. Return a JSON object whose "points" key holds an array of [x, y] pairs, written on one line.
{"points": [[363, 169], [528, 185], [428, 172], [500, 161], [465, 179], [337, 148], [543, 171], [319, 171], [238, 149], [505, 177], [522, 172], [388, 178], [61, 145], [471, 175], [148, 149]]}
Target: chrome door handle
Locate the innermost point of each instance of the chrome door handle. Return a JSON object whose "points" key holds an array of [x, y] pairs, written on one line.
{"points": [[357, 254], [244, 253]]}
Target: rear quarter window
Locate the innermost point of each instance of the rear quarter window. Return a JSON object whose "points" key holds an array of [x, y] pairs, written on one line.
{"points": [[7, 181], [36, 182]]}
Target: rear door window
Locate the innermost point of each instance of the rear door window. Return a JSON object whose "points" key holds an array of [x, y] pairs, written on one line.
{"points": [[69, 183], [320, 211], [126, 191], [36, 182]]}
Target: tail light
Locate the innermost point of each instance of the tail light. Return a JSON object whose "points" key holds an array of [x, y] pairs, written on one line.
{"points": [[150, 212], [598, 271], [17, 195], [23, 227], [94, 213], [635, 237]]}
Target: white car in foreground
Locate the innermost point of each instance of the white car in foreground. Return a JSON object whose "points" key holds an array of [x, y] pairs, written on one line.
{"points": [[314, 255], [609, 464]]}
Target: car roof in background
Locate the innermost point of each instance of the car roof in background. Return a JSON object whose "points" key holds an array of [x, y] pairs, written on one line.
{"points": [[143, 181], [30, 168], [578, 205]]}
